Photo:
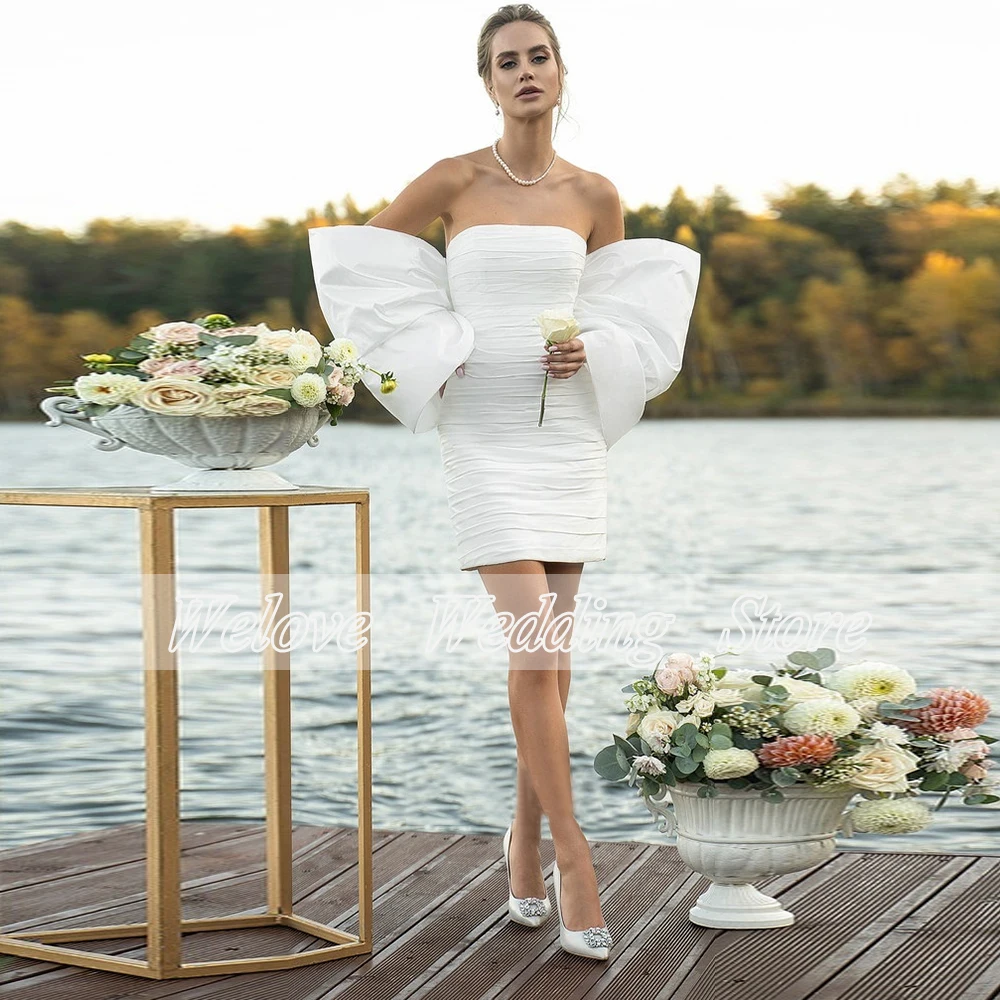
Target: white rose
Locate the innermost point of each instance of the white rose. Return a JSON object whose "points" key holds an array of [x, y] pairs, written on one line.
{"points": [[257, 406], [657, 727], [701, 704], [557, 327], [235, 390], [799, 691], [886, 768], [182, 397], [282, 340], [273, 376], [106, 388]]}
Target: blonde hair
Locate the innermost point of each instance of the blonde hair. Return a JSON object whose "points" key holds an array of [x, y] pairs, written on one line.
{"points": [[508, 14]]}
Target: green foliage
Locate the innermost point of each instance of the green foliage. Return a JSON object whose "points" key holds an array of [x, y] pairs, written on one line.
{"points": [[872, 303]]}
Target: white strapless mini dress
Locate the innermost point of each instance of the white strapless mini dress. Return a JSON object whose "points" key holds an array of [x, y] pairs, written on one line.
{"points": [[515, 490]]}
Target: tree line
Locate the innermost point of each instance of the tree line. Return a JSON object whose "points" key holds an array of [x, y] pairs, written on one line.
{"points": [[877, 303]]}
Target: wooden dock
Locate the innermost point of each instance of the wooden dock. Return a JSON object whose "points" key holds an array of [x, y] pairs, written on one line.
{"points": [[870, 926]]}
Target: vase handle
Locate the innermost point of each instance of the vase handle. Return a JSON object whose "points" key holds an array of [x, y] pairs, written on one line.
{"points": [[846, 824], [66, 409], [660, 807]]}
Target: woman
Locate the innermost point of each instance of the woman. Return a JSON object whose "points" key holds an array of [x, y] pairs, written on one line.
{"points": [[527, 231]]}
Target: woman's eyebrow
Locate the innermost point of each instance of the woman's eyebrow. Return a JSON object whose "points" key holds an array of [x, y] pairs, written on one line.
{"points": [[534, 48]]}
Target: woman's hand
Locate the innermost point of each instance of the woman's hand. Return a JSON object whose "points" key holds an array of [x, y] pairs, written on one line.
{"points": [[565, 359], [459, 371]]}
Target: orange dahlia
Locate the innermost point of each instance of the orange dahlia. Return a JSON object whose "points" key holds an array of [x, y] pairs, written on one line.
{"points": [[797, 751], [950, 708]]}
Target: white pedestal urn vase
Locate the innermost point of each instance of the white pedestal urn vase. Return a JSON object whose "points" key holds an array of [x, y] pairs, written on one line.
{"points": [[228, 452], [737, 837]]}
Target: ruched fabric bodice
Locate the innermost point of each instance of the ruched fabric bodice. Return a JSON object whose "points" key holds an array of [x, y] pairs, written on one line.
{"points": [[515, 490]]}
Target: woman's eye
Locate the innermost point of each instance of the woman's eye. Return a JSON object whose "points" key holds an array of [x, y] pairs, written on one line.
{"points": [[510, 62]]}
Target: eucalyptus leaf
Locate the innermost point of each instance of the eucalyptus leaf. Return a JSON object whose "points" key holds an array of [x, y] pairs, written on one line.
{"points": [[934, 781], [606, 764], [804, 659]]}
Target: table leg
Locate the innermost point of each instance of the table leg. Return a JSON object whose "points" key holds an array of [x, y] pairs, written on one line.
{"points": [[275, 579], [163, 852]]}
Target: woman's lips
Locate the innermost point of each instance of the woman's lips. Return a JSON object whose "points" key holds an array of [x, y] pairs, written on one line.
{"points": [[531, 93]]}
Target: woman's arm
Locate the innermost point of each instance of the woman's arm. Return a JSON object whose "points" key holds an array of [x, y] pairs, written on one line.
{"points": [[424, 199], [566, 359]]}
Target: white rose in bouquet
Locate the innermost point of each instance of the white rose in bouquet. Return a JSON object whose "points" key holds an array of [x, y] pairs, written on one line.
{"points": [[885, 768], [176, 396]]}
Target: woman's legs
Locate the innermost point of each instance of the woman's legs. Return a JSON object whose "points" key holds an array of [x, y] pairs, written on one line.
{"points": [[538, 683]]}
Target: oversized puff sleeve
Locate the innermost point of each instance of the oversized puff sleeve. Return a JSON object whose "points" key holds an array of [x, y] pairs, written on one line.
{"points": [[633, 306], [387, 291]]}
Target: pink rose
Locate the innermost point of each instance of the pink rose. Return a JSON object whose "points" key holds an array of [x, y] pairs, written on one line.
{"points": [[675, 672], [175, 333], [334, 377], [973, 771], [185, 368], [958, 734], [341, 394], [153, 366]]}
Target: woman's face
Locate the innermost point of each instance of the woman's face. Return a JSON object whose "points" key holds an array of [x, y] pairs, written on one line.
{"points": [[522, 58]]}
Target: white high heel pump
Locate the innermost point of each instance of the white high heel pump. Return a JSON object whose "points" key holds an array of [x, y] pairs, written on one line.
{"points": [[527, 910], [594, 942]]}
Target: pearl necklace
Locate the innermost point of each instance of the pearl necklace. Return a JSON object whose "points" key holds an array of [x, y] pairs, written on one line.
{"points": [[510, 173]]}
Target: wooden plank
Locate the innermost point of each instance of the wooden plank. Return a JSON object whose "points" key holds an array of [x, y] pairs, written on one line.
{"points": [[395, 851], [870, 926], [940, 950], [72, 901], [436, 866], [107, 848], [397, 970], [495, 953], [831, 907], [664, 939]]}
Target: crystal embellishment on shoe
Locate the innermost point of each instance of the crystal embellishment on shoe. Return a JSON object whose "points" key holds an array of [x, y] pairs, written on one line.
{"points": [[597, 937], [532, 906], [529, 910]]}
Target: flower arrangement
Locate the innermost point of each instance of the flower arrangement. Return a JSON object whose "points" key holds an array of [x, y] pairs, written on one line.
{"points": [[210, 367], [556, 327], [863, 726]]}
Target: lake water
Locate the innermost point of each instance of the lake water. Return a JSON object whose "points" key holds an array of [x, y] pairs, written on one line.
{"points": [[891, 519]]}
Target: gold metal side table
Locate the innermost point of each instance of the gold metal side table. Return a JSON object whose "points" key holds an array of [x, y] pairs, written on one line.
{"points": [[163, 926]]}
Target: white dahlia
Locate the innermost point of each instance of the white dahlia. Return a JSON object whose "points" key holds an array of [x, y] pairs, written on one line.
{"points": [[822, 717], [869, 679], [731, 763], [890, 816], [308, 389], [340, 350]]}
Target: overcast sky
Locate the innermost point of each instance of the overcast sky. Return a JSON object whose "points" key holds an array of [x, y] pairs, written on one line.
{"points": [[230, 111]]}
